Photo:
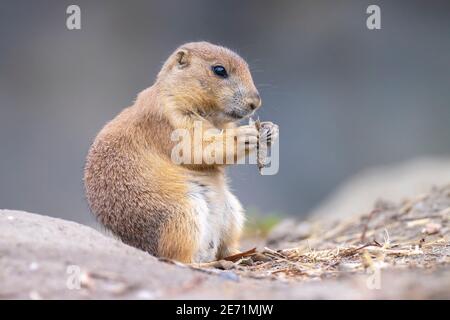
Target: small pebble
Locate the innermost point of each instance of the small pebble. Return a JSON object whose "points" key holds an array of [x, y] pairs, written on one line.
{"points": [[145, 295], [33, 266], [432, 228], [228, 275], [34, 295], [226, 265], [261, 257]]}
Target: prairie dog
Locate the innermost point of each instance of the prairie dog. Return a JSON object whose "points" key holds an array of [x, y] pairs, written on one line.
{"points": [[184, 212]]}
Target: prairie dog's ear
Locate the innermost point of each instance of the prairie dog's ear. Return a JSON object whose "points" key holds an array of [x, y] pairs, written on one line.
{"points": [[183, 57]]}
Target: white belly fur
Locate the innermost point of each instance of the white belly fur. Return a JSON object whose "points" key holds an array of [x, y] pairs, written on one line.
{"points": [[217, 211]]}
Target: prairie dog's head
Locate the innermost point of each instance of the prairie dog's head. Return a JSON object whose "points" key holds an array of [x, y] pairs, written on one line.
{"points": [[209, 80]]}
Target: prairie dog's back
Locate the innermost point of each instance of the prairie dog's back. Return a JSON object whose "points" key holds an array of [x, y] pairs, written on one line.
{"points": [[131, 185]]}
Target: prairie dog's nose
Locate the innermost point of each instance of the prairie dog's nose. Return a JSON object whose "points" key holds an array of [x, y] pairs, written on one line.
{"points": [[254, 101]]}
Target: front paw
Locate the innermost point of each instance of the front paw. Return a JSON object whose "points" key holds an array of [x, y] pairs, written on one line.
{"points": [[249, 135], [268, 133]]}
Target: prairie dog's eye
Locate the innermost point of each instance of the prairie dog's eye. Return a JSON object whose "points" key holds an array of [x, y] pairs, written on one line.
{"points": [[220, 71]]}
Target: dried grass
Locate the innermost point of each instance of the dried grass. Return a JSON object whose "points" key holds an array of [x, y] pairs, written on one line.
{"points": [[413, 234]]}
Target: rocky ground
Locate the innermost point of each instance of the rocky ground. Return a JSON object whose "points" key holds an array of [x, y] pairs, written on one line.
{"points": [[412, 235], [395, 251]]}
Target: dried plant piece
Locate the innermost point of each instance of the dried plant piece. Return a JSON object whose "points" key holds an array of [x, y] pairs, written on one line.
{"points": [[267, 133], [261, 149], [240, 255]]}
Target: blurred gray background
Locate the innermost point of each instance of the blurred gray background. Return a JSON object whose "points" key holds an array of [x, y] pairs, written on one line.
{"points": [[346, 98]]}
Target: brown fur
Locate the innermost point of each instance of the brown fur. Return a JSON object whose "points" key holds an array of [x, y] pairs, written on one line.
{"points": [[132, 185]]}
